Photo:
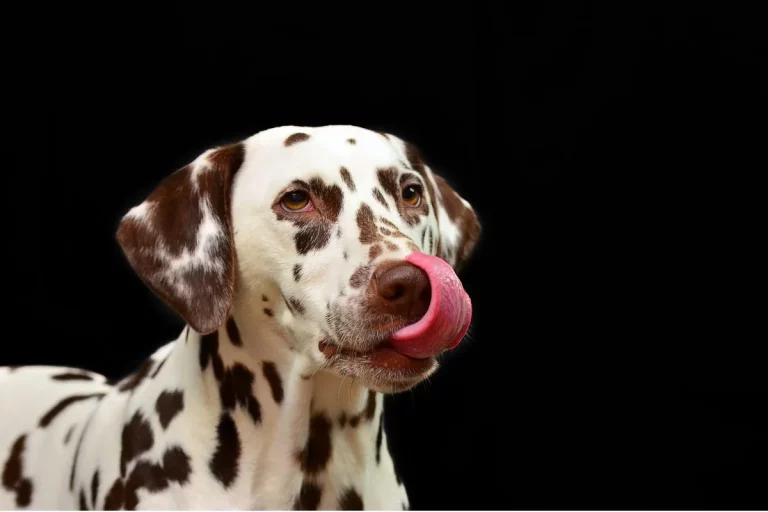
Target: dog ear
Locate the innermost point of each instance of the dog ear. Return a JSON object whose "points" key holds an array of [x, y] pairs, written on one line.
{"points": [[458, 225], [179, 240]]}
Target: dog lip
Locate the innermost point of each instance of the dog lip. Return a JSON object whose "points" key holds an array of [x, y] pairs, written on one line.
{"points": [[382, 355]]}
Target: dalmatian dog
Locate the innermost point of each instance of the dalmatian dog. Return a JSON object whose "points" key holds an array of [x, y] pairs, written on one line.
{"points": [[315, 270]]}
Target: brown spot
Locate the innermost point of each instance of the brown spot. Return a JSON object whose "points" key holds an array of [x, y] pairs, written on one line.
{"points": [[233, 332], [225, 463], [264, 298], [295, 138], [273, 378], [412, 246], [309, 497], [346, 256], [155, 477], [147, 475], [297, 306], [312, 238], [94, 488], [330, 196], [137, 438], [388, 181], [115, 497], [389, 223], [306, 377], [347, 179], [69, 434], [297, 272], [268, 312], [237, 388], [367, 225], [380, 198], [354, 421], [374, 252], [12, 473], [160, 366], [176, 464], [399, 234], [352, 141], [342, 419], [83, 504], [209, 351], [370, 406], [391, 246], [316, 454], [72, 376], [173, 219], [351, 500], [24, 492], [379, 438], [168, 405], [63, 404], [133, 380], [385, 231], [14, 464], [359, 276]]}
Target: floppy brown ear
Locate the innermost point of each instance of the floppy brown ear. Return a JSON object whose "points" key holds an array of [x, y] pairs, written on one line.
{"points": [[458, 225], [179, 240]]}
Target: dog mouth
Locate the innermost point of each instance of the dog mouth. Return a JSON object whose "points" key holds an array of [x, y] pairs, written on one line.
{"points": [[382, 357]]}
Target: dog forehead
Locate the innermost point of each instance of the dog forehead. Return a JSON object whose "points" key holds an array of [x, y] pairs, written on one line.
{"points": [[276, 156]]}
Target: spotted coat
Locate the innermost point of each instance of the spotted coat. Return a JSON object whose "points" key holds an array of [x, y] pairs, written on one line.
{"points": [[244, 410]]}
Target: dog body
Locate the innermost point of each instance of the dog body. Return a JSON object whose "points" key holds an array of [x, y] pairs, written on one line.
{"points": [[295, 259]]}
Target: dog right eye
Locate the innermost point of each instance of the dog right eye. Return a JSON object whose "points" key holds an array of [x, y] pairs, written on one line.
{"points": [[296, 201]]}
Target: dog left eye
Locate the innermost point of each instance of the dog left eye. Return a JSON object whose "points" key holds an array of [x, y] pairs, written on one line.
{"points": [[412, 195], [296, 201]]}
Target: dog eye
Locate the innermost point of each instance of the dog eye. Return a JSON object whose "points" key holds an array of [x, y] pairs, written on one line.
{"points": [[412, 195], [295, 201]]}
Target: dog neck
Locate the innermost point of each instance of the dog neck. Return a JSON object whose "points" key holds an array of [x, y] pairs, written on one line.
{"points": [[305, 438]]}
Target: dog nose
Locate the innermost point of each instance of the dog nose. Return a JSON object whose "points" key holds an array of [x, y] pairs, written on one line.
{"points": [[402, 289]]}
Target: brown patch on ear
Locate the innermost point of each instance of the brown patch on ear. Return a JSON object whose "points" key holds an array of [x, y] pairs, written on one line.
{"points": [[166, 229], [465, 220], [295, 139]]}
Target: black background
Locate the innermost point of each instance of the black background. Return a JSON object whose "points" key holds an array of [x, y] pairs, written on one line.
{"points": [[610, 152]]}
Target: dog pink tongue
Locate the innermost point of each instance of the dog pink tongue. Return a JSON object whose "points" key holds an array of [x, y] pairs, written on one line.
{"points": [[447, 318]]}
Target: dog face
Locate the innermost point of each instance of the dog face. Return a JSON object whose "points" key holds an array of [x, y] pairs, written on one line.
{"points": [[348, 232]]}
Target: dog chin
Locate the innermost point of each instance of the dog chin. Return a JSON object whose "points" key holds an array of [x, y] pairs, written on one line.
{"points": [[381, 369]]}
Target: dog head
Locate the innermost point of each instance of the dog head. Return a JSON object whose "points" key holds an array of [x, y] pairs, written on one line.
{"points": [[347, 232]]}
